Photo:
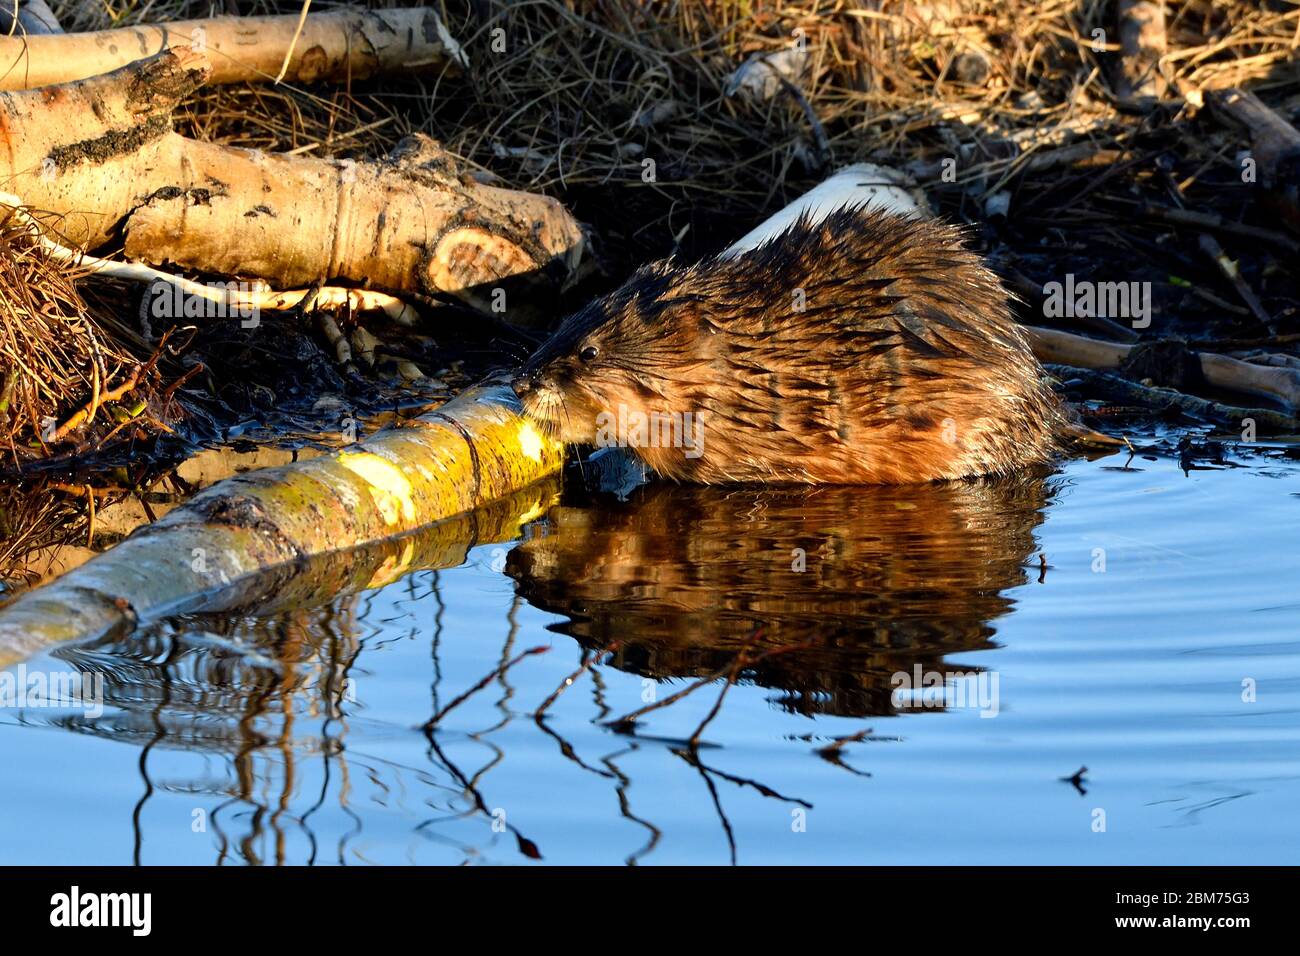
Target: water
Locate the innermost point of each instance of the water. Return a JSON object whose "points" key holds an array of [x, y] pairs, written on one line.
{"points": [[1159, 648]]}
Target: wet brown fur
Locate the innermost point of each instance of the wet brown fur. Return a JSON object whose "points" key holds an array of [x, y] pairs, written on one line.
{"points": [[904, 365]]}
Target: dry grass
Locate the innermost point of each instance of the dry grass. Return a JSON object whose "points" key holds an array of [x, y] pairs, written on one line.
{"points": [[55, 355], [586, 91]]}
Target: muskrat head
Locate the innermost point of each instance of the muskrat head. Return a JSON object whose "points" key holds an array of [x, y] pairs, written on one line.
{"points": [[608, 356]]}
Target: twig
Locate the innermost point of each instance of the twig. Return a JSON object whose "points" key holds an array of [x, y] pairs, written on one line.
{"points": [[694, 741], [1232, 272], [819, 133], [432, 722], [1065, 348], [627, 720], [1142, 41], [839, 743], [625, 806], [1209, 220], [335, 337], [30, 17], [1121, 389], [834, 751], [1226, 345], [568, 681], [693, 757], [288, 54], [87, 412], [90, 517]]}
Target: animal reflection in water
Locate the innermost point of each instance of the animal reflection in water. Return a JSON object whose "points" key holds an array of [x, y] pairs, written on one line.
{"points": [[680, 576], [683, 577]]}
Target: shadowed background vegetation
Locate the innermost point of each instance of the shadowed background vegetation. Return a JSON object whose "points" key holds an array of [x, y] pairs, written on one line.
{"points": [[1008, 112]]}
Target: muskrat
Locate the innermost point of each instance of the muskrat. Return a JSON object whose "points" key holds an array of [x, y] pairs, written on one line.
{"points": [[866, 348]]}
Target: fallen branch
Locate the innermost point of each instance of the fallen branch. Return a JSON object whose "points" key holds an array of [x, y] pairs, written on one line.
{"points": [[1274, 144], [1216, 223], [1232, 272], [1221, 371], [339, 45], [233, 299], [106, 161], [472, 450], [1117, 388], [84, 415]]}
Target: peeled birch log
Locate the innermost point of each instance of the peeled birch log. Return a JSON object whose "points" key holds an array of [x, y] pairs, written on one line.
{"points": [[217, 549], [876, 186], [338, 45], [403, 224], [101, 153]]}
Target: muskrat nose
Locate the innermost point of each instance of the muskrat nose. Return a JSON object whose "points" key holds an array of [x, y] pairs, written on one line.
{"points": [[521, 384]]}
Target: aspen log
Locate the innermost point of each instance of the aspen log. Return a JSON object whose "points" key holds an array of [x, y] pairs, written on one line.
{"points": [[216, 551], [101, 153], [338, 45], [317, 580]]}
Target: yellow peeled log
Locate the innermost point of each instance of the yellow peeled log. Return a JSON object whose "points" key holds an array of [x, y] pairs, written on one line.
{"points": [[217, 549]]}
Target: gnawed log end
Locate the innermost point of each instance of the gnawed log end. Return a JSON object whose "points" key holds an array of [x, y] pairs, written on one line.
{"points": [[470, 256]]}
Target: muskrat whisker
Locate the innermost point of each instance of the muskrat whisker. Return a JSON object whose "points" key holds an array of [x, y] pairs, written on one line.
{"points": [[545, 414], [536, 412], [513, 350], [564, 409]]}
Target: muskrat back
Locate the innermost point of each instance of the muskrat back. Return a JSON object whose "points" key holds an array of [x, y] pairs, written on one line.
{"points": [[866, 348]]}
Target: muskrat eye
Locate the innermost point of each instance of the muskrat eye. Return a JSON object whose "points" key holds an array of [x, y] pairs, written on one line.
{"points": [[589, 353]]}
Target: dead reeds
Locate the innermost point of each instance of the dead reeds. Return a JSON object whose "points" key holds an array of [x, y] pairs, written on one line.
{"points": [[59, 367]]}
